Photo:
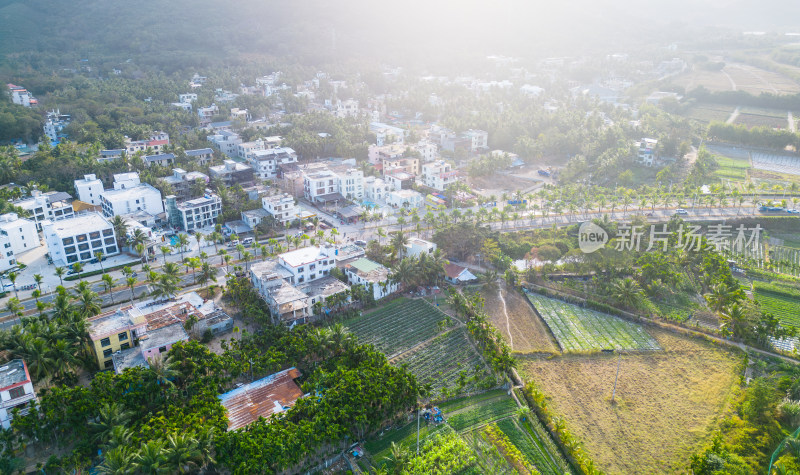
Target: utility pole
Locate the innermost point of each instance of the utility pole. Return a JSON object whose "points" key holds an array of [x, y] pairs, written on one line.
{"points": [[418, 411], [614, 393]]}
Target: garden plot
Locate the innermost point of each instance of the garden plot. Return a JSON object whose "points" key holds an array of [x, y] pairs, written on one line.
{"points": [[578, 329], [399, 326], [776, 163], [448, 361]]}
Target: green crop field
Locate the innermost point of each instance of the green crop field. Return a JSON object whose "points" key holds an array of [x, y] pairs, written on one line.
{"points": [[710, 112], [782, 302], [399, 326], [448, 361], [578, 329], [732, 168]]}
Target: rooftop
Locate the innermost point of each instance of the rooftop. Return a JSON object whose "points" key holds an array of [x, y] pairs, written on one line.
{"points": [[303, 256], [204, 200], [129, 193], [198, 152], [13, 372], [288, 294], [269, 267], [56, 196], [115, 321], [130, 358], [159, 157], [325, 286], [256, 213], [261, 398], [163, 336], [79, 224], [369, 270]]}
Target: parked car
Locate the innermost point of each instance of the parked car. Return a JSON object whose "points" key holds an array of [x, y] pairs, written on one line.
{"points": [[793, 211], [361, 243], [681, 211]]}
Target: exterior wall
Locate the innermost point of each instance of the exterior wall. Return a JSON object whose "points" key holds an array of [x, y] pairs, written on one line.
{"points": [[22, 234], [89, 189], [145, 198], [79, 245], [7, 258], [199, 216], [7, 404], [282, 209], [378, 291], [116, 342]]}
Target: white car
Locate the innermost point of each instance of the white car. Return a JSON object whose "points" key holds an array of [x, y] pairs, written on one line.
{"points": [[681, 211]]}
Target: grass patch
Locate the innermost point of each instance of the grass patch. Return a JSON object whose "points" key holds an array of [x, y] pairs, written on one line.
{"points": [[667, 403], [483, 414]]}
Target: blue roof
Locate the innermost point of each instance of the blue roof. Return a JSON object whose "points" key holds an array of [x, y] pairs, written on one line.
{"points": [[200, 151], [160, 156], [226, 123]]}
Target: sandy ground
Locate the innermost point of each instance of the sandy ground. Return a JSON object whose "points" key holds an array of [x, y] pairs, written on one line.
{"points": [[522, 329]]}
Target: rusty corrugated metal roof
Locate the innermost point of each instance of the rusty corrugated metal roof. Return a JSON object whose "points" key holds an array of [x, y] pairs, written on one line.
{"points": [[261, 398]]}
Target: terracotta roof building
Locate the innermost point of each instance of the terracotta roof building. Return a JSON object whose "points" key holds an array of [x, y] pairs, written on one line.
{"points": [[271, 395]]}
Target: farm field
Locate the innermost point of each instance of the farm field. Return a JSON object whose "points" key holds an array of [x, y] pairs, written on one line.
{"points": [[737, 77], [668, 403], [732, 168], [784, 305], [578, 329], [471, 417], [398, 326], [751, 120], [710, 112], [448, 361], [522, 329]]}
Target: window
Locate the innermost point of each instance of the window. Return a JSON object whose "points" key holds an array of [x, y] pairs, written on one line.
{"points": [[107, 353], [17, 392], [81, 238], [105, 342], [83, 247], [162, 349], [109, 364], [125, 346], [72, 258], [110, 240], [96, 244], [86, 255], [108, 232], [94, 235], [67, 241], [123, 336], [111, 250], [69, 250]]}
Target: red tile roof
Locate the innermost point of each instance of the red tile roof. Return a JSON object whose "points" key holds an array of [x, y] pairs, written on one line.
{"points": [[261, 398], [453, 270]]}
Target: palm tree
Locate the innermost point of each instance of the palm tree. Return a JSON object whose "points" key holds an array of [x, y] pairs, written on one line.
{"points": [[207, 273], [183, 241], [627, 292], [117, 461], [734, 320], [38, 278], [215, 237], [140, 249], [198, 236], [164, 369], [108, 283], [489, 280], [151, 458], [131, 282], [77, 268], [88, 303], [110, 415], [14, 307], [719, 297], [60, 271], [183, 453], [120, 229], [164, 251], [99, 256], [13, 278], [246, 256]]}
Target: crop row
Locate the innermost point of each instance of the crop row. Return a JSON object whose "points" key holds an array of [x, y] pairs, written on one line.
{"points": [[483, 414], [399, 326], [580, 329], [785, 309], [532, 451]]}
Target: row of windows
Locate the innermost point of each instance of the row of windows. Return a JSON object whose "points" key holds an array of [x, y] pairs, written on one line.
{"points": [[92, 235], [120, 336], [107, 353]]}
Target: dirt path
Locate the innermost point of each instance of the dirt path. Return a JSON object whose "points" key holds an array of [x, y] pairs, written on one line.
{"points": [[733, 83], [734, 114], [508, 323]]}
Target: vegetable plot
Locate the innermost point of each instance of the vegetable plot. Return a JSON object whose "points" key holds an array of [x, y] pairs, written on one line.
{"points": [[398, 326], [578, 329]]}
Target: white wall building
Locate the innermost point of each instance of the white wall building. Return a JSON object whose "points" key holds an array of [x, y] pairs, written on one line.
{"points": [[416, 247], [307, 264], [193, 214], [387, 134], [21, 232], [347, 108], [21, 96], [428, 151], [7, 257], [281, 207], [123, 201], [409, 199], [89, 189], [189, 97], [375, 189], [265, 162], [156, 142], [371, 274], [77, 239], [226, 141], [16, 390], [480, 139], [52, 206], [438, 175]]}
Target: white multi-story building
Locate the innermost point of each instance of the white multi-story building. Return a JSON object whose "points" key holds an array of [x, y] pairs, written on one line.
{"points": [[372, 275], [646, 151], [348, 182], [480, 139], [89, 189], [202, 156], [189, 97], [265, 162], [280, 207], [351, 183], [7, 257], [245, 149], [375, 189], [428, 151], [129, 200], [307, 264], [16, 390], [55, 123], [52, 206], [77, 239], [21, 96], [416, 246], [156, 142], [227, 142], [193, 214], [126, 180], [438, 175], [408, 199], [347, 108], [387, 134], [378, 153], [206, 113], [21, 232]]}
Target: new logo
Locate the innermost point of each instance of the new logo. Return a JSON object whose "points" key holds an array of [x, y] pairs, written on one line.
{"points": [[591, 237]]}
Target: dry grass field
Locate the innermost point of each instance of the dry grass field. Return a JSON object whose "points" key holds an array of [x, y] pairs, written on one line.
{"points": [[667, 403], [522, 329], [738, 77]]}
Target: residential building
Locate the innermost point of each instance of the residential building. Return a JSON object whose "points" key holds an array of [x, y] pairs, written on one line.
{"points": [[156, 142], [222, 95], [7, 257], [529, 90], [76, 239], [321, 186], [132, 334], [21, 96], [245, 149], [428, 151], [457, 145], [416, 247], [375, 189], [266, 162], [193, 214], [186, 106], [124, 201], [318, 291], [201, 156], [273, 394], [408, 199], [409, 165], [455, 274], [399, 179], [163, 159], [280, 207], [206, 113], [126, 180], [438, 175], [351, 183], [89, 189], [372, 275], [387, 134], [646, 151], [377, 154], [254, 217], [226, 141], [53, 205], [21, 232], [308, 263], [189, 97], [479, 138], [16, 391], [232, 173], [55, 124], [182, 182], [240, 114], [347, 108]]}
